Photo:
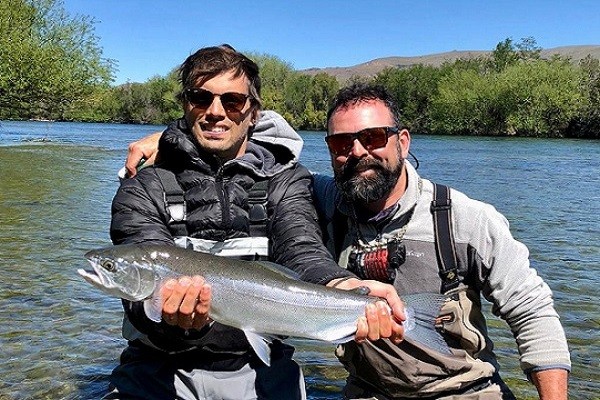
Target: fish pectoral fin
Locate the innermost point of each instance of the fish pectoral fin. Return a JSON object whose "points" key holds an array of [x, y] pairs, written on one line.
{"points": [[260, 345], [153, 307]]}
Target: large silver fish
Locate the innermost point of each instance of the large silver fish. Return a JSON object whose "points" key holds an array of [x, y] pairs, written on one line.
{"points": [[258, 297]]}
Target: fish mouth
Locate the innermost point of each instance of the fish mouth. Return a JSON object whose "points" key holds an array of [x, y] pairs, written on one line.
{"points": [[92, 275]]}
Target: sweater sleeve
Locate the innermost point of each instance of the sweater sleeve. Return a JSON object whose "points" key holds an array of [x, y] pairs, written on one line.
{"points": [[520, 296], [136, 216], [295, 232]]}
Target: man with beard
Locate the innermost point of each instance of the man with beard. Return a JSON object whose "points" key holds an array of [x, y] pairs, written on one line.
{"points": [[385, 222]]}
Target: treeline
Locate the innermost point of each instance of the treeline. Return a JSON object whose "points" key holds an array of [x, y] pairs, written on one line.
{"points": [[51, 67], [512, 92]]}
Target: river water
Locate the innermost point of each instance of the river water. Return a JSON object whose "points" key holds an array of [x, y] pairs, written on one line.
{"points": [[60, 337]]}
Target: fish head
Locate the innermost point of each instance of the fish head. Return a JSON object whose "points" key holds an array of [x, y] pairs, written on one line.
{"points": [[120, 272]]}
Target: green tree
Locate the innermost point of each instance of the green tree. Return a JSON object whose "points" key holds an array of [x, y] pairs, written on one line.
{"points": [[162, 93], [136, 103], [504, 55], [275, 75], [297, 99], [528, 49], [49, 60], [508, 53], [323, 89], [103, 105], [413, 88], [528, 98], [462, 105], [587, 123], [545, 97]]}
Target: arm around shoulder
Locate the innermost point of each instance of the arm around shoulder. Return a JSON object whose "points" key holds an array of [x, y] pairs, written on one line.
{"points": [[144, 149]]}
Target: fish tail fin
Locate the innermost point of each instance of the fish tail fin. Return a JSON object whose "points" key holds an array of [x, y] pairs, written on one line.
{"points": [[421, 311]]}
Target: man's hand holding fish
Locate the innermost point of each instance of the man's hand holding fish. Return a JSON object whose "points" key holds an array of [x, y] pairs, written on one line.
{"points": [[382, 319], [186, 302]]}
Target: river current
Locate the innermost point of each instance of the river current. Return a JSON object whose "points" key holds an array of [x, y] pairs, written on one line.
{"points": [[60, 337]]}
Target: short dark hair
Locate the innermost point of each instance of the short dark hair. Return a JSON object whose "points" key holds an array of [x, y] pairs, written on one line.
{"points": [[209, 62], [361, 92]]}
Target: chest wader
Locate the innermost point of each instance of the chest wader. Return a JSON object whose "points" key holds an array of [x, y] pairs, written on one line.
{"points": [[216, 362], [383, 370]]}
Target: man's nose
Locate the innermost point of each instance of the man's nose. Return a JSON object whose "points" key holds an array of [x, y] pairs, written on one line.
{"points": [[216, 108], [358, 150]]}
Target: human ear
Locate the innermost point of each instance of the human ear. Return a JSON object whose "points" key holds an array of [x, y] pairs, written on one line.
{"points": [[404, 138]]}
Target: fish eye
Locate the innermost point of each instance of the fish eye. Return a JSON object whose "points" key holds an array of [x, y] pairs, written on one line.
{"points": [[109, 266]]}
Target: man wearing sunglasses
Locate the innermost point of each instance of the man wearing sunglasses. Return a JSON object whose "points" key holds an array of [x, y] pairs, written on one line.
{"points": [[215, 164], [385, 222], [378, 214]]}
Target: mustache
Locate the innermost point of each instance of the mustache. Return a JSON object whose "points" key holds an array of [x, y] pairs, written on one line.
{"points": [[353, 165]]}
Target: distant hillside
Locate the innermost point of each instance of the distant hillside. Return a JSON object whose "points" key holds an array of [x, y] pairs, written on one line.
{"points": [[371, 68]]}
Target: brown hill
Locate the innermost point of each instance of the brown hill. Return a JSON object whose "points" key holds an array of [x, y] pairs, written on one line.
{"points": [[371, 68]]}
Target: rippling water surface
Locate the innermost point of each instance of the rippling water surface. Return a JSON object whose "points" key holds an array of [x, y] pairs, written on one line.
{"points": [[60, 337]]}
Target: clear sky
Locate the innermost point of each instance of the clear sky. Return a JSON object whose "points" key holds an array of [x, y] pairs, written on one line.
{"points": [[151, 37]]}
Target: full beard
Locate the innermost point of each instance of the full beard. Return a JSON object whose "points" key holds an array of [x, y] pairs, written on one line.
{"points": [[364, 190]]}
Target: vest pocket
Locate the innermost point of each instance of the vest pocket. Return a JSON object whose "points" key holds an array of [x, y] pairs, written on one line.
{"points": [[456, 322]]}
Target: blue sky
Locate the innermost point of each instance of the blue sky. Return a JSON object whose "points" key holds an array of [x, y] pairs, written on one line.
{"points": [[151, 37]]}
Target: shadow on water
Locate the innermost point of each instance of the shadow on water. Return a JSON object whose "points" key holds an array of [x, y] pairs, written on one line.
{"points": [[61, 338]]}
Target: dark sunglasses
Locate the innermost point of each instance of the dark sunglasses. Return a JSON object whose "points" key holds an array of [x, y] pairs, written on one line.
{"points": [[202, 98], [340, 144]]}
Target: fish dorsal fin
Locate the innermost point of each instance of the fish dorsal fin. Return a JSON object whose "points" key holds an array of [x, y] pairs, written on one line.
{"points": [[280, 269]]}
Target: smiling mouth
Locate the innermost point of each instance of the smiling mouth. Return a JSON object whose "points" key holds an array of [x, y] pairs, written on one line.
{"points": [[210, 129]]}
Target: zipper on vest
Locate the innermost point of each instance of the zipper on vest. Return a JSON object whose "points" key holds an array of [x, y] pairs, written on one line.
{"points": [[223, 198]]}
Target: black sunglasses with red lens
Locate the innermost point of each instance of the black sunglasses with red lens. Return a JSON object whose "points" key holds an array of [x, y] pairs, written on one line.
{"points": [[340, 144], [232, 102]]}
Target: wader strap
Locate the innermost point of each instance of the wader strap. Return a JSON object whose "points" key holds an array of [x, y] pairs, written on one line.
{"points": [[176, 206], [174, 202], [257, 208], [441, 209]]}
